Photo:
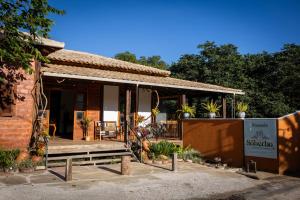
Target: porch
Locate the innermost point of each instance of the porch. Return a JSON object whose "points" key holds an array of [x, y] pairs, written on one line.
{"points": [[71, 100], [80, 86]]}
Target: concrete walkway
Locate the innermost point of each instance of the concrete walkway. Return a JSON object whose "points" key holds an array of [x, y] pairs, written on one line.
{"points": [[146, 182]]}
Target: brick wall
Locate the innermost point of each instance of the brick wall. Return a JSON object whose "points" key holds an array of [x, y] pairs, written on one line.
{"points": [[15, 132]]}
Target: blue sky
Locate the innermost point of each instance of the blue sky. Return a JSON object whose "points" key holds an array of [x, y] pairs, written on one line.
{"points": [[170, 28]]}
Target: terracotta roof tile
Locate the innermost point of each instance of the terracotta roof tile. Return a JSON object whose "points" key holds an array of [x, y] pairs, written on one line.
{"points": [[64, 56], [115, 76]]}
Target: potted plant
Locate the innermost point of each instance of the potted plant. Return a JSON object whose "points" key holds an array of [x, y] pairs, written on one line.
{"points": [[26, 166], [242, 109], [187, 111], [85, 123], [40, 148], [140, 119], [155, 111], [211, 107]]}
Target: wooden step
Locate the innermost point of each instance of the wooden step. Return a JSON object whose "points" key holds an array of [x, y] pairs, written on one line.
{"points": [[82, 150], [90, 155], [88, 162]]}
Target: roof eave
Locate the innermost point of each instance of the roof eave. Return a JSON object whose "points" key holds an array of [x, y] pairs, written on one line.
{"points": [[52, 74]]}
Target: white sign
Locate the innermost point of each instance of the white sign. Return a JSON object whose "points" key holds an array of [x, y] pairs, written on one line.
{"points": [[260, 138]]}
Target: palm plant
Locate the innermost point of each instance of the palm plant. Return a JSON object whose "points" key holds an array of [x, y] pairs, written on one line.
{"points": [[185, 108], [211, 107], [85, 123], [242, 107], [155, 111]]}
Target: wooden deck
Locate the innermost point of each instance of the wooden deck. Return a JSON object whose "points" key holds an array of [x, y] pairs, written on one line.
{"points": [[59, 146]]}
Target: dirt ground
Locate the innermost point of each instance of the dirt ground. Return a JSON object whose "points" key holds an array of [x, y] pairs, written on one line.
{"points": [[191, 181]]}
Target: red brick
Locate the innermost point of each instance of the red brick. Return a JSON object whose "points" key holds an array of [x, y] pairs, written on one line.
{"points": [[15, 132]]}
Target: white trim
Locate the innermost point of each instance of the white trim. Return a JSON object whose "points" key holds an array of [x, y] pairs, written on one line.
{"points": [[52, 74]]}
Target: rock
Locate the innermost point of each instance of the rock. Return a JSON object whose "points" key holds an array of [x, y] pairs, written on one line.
{"points": [[157, 162]]}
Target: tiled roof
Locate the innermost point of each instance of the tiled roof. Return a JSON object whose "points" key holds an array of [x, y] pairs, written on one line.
{"points": [[64, 56], [69, 71]]}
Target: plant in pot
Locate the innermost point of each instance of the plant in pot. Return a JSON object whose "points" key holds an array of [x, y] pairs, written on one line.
{"points": [[40, 148], [212, 108], [140, 119], [26, 166], [85, 124], [242, 108], [155, 112], [187, 111]]}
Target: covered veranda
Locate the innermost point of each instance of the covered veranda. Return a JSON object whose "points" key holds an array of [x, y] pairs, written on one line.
{"points": [[79, 85], [114, 101]]}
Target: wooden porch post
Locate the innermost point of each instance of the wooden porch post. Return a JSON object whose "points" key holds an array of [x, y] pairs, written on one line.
{"points": [[182, 100], [233, 106], [127, 114], [224, 107], [136, 104]]}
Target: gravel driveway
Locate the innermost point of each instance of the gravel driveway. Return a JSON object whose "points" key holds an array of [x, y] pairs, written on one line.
{"points": [[191, 181]]}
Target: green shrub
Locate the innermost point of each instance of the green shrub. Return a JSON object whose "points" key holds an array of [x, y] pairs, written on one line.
{"points": [[162, 148], [191, 154], [168, 148], [188, 153], [8, 158]]}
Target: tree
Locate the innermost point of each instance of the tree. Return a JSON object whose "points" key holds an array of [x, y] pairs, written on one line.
{"points": [[153, 61], [22, 25], [126, 56], [22, 22], [271, 81]]}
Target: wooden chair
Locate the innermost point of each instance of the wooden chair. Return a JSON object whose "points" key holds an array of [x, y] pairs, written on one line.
{"points": [[105, 129], [111, 129], [99, 130]]}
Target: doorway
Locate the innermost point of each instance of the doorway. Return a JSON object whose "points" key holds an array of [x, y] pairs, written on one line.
{"points": [[62, 112], [169, 117]]}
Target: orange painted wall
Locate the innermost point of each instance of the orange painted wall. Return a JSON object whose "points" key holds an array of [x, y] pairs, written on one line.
{"points": [[93, 106], [289, 143], [216, 137], [264, 164]]}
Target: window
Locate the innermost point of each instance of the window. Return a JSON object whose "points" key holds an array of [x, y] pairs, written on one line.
{"points": [[80, 101], [7, 98]]}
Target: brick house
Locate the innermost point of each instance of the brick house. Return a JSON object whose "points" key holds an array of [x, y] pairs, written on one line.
{"points": [[80, 84]]}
